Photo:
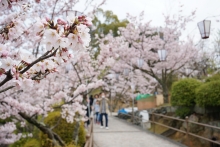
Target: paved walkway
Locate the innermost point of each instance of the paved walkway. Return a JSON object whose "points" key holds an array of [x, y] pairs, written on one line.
{"points": [[122, 134]]}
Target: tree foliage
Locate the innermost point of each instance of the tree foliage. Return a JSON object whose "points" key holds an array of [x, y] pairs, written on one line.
{"points": [[215, 77], [63, 129], [183, 92], [104, 22], [138, 46], [110, 22], [208, 94], [183, 112]]}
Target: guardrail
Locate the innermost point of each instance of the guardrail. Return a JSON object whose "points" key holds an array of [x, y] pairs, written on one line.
{"points": [[89, 135], [187, 121]]}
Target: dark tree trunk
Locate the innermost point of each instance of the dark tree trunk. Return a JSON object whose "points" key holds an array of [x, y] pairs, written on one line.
{"points": [[115, 104], [52, 135], [165, 94]]}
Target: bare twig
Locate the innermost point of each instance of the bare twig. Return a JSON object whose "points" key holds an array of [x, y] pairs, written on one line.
{"points": [[3, 90]]}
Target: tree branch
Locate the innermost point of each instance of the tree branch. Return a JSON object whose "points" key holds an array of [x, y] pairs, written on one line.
{"points": [[3, 90], [80, 80], [43, 128], [7, 78], [9, 75]]}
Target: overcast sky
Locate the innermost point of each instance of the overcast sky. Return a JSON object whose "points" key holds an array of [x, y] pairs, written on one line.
{"points": [[154, 9]]}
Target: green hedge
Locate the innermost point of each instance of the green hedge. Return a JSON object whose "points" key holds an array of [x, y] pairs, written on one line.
{"points": [[208, 94], [183, 92]]}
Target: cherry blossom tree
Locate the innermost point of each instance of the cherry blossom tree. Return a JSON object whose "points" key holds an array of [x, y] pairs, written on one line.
{"points": [[122, 79], [65, 90], [37, 40], [140, 43]]}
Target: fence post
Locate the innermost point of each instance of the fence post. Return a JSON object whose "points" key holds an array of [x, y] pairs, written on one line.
{"points": [[92, 132], [153, 122], [187, 130]]}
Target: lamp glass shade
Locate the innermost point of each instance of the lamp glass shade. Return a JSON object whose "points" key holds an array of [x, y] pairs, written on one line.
{"points": [[132, 87], [126, 71], [187, 71], [73, 12], [140, 63], [68, 67], [204, 28], [110, 76], [116, 76], [162, 54]]}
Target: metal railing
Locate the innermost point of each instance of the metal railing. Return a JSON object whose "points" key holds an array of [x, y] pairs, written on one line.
{"points": [[187, 121], [89, 135]]}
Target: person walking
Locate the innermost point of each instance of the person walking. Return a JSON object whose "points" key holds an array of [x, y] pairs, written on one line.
{"points": [[91, 99], [95, 99], [104, 110], [96, 110]]}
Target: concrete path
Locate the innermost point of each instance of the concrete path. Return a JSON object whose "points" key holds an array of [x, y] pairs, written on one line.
{"points": [[122, 134]]}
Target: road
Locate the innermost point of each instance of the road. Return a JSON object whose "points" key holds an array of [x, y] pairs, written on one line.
{"points": [[123, 134]]}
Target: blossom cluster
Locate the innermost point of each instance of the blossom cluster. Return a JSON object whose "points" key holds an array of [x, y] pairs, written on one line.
{"points": [[7, 135], [59, 40]]}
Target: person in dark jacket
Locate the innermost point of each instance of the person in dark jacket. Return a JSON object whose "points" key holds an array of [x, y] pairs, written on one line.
{"points": [[89, 109], [91, 99]]}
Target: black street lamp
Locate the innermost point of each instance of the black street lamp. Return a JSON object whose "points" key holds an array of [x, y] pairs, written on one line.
{"points": [[204, 28]]}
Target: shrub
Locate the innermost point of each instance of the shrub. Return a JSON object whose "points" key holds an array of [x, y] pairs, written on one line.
{"points": [[81, 135], [183, 92], [19, 143], [26, 142], [208, 94], [63, 129], [183, 112], [215, 77], [32, 143]]}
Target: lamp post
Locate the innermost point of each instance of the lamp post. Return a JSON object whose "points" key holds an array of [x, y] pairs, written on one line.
{"points": [[204, 28], [111, 77], [111, 97], [126, 73], [162, 53], [112, 88], [140, 63]]}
